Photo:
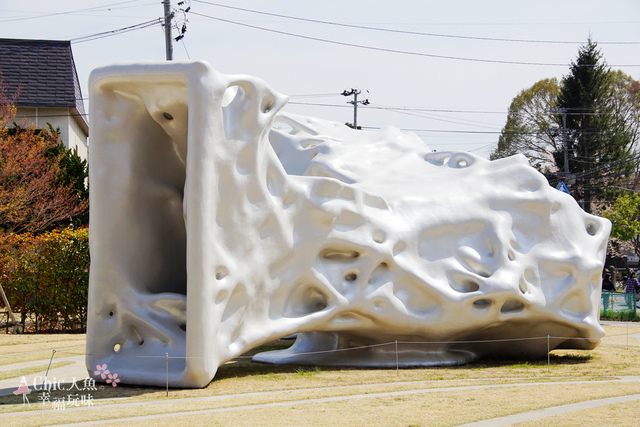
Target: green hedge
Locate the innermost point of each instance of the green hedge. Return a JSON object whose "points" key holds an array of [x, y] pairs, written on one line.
{"points": [[46, 278]]}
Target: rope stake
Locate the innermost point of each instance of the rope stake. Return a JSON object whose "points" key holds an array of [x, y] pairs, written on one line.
{"points": [[47, 373], [397, 365]]}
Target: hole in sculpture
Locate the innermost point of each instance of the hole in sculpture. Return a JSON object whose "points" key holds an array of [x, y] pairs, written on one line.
{"points": [[306, 300], [237, 302], [221, 297], [512, 306], [374, 201], [267, 103], [592, 228], [465, 286], [522, 286], [183, 326], [460, 160], [221, 272], [379, 236], [511, 256], [529, 275], [338, 255], [398, 248], [351, 277], [437, 159], [231, 94], [326, 188], [117, 348], [137, 335], [111, 314], [482, 303], [167, 116]]}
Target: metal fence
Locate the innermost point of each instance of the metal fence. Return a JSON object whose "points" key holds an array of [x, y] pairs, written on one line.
{"points": [[618, 304]]}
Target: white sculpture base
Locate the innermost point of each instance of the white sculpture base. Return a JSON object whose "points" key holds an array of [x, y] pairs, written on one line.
{"points": [[332, 349], [218, 225]]}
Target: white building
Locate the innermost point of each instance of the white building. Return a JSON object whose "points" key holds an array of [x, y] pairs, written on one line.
{"points": [[45, 74]]}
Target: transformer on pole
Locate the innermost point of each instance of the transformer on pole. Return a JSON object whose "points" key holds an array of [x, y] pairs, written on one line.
{"points": [[355, 92]]}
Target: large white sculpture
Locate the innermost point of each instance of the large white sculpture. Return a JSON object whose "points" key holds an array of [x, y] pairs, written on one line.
{"points": [[218, 225]]}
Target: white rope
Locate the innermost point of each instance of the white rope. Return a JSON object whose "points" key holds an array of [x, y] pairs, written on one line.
{"points": [[391, 343]]}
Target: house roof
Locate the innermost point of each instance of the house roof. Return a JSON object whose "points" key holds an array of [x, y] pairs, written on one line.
{"points": [[45, 72]]}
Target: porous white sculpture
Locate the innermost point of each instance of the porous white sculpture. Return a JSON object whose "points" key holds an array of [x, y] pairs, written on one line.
{"points": [[218, 225]]}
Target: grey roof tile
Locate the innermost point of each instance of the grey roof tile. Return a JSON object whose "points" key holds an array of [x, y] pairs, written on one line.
{"points": [[45, 71]]}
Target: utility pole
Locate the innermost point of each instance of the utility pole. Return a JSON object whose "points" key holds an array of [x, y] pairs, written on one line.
{"points": [[565, 140], [168, 16], [355, 102]]}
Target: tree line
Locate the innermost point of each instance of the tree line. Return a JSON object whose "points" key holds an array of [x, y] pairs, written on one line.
{"points": [[582, 130]]}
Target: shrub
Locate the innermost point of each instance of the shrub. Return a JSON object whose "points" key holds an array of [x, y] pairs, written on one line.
{"points": [[46, 277]]}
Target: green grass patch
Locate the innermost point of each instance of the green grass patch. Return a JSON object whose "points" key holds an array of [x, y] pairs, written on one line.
{"points": [[308, 373], [627, 315]]}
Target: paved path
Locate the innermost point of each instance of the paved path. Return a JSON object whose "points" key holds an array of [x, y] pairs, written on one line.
{"points": [[550, 412], [67, 374]]}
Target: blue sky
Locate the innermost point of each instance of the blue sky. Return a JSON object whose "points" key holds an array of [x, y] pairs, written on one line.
{"points": [[440, 72]]}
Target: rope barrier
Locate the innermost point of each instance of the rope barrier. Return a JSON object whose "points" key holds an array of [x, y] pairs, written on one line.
{"points": [[395, 343]]}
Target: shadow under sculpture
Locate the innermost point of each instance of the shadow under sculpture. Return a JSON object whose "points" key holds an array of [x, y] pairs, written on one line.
{"points": [[219, 224]]}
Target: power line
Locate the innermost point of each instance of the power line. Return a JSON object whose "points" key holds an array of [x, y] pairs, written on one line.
{"points": [[385, 107], [69, 12], [379, 49], [416, 33], [104, 34], [479, 132], [433, 110], [404, 52], [314, 95]]}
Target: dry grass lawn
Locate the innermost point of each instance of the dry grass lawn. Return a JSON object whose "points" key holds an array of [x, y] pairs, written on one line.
{"points": [[433, 396], [26, 348]]}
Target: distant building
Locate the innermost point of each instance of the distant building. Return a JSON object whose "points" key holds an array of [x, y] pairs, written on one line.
{"points": [[49, 89]]}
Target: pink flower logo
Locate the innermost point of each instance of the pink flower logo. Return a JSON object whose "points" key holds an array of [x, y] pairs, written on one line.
{"points": [[113, 380], [102, 371]]}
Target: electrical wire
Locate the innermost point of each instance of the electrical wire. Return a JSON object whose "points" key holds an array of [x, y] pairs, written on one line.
{"points": [[314, 95], [415, 33], [70, 12], [380, 49], [140, 26], [440, 119], [397, 51], [385, 107]]}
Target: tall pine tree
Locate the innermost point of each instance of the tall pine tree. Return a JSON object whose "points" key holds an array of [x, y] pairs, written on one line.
{"points": [[600, 146]]}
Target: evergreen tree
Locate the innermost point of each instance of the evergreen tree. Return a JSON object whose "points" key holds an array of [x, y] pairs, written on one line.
{"points": [[602, 111], [599, 144]]}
